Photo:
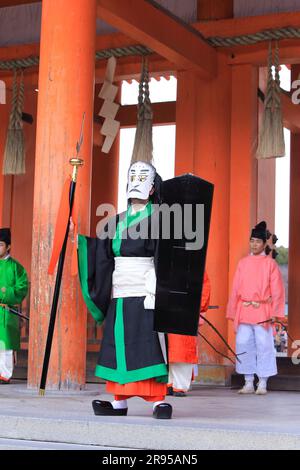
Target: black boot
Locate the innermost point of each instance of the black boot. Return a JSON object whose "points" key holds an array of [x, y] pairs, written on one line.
{"points": [[162, 411], [105, 408], [179, 394]]}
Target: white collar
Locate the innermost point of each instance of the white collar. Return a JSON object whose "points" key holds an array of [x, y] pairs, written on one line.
{"points": [[262, 254]]}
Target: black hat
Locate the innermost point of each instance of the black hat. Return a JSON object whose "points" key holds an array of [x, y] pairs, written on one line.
{"points": [[5, 235], [260, 231]]}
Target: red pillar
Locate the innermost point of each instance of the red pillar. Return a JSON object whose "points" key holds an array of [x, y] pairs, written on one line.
{"points": [[66, 91], [212, 162], [104, 190], [243, 174], [294, 247], [203, 148], [5, 181]]}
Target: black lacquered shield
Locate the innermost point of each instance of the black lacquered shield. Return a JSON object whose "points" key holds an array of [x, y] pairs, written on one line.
{"points": [[181, 254]]}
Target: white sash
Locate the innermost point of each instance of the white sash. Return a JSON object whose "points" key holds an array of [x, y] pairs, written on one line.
{"points": [[135, 277]]}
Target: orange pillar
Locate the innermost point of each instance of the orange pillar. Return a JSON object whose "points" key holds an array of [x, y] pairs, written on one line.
{"points": [[243, 175], [212, 162], [294, 248], [5, 181], [3, 129], [203, 148], [66, 91], [104, 190]]}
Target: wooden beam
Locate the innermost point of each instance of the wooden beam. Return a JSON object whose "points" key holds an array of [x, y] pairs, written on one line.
{"points": [[130, 68], [163, 114], [153, 28], [19, 52], [247, 25], [214, 9], [256, 54], [13, 3], [127, 68], [105, 41], [113, 40]]}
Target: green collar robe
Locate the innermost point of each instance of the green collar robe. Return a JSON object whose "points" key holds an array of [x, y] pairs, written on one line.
{"points": [[13, 279]]}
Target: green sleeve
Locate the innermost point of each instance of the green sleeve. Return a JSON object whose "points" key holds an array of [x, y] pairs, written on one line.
{"points": [[15, 294], [84, 279]]}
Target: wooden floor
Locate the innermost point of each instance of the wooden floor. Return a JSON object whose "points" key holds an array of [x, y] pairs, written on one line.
{"points": [[288, 378]]}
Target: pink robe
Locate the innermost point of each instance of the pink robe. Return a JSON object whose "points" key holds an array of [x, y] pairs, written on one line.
{"points": [[257, 278]]}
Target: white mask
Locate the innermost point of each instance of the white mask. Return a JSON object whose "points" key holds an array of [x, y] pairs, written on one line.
{"points": [[140, 180]]}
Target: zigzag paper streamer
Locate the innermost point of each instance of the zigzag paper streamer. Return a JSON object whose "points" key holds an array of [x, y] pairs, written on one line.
{"points": [[2, 92], [109, 109]]}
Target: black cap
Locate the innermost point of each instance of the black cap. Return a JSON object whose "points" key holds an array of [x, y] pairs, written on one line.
{"points": [[260, 231], [5, 235]]}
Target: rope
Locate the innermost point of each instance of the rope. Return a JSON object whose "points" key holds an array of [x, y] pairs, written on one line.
{"points": [[288, 32], [20, 104], [276, 94], [143, 143], [13, 117], [100, 55], [148, 114], [270, 88]]}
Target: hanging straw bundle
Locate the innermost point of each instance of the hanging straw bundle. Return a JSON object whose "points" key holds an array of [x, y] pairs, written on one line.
{"points": [[143, 143], [271, 138], [14, 155]]}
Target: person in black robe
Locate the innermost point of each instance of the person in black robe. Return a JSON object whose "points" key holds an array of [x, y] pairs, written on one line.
{"points": [[117, 276]]}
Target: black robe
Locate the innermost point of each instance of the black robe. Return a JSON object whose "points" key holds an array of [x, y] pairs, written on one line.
{"points": [[130, 349]]}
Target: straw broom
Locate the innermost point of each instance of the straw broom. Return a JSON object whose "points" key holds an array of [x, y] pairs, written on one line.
{"points": [[271, 138], [14, 154]]}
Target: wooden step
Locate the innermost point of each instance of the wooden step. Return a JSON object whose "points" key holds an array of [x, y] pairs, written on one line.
{"points": [[287, 379]]}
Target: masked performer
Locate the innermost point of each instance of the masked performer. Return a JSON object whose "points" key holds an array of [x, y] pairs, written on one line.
{"points": [[257, 297], [13, 289], [182, 352], [116, 273]]}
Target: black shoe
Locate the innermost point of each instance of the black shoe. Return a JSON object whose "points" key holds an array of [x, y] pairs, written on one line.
{"points": [[170, 391], [162, 411], [179, 394], [105, 408]]}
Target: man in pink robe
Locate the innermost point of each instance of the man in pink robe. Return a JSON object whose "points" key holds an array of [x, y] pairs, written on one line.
{"points": [[257, 296]]}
